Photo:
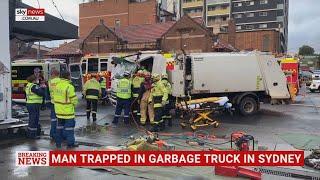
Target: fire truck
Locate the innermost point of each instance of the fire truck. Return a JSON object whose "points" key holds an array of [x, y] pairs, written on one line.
{"points": [[22, 69], [290, 67]]}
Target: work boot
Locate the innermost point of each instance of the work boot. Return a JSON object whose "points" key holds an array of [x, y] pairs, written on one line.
{"points": [[73, 146]]}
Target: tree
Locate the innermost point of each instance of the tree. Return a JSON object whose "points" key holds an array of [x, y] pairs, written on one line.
{"points": [[306, 50]]}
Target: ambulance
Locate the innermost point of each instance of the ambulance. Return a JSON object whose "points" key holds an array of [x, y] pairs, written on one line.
{"points": [[22, 69]]}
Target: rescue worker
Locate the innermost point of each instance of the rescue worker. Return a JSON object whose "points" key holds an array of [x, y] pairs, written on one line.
{"points": [[123, 99], [136, 84], [166, 110], [92, 91], [103, 86], [52, 85], [144, 95], [65, 101], [42, 83], [34, 95], [159, 97]]}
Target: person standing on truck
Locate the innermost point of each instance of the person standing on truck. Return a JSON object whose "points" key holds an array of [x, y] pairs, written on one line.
{"points": [[159, 97], [92, 91], [65, 101], [34, 95], [103, 86], [136, 84], [52, 85], [144, 95], [166, 110], [123, 99]]}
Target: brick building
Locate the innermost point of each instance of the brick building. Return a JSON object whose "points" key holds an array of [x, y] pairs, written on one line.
{"points": [[22, 50], [119, 13], [187, 34], [71, 51]]}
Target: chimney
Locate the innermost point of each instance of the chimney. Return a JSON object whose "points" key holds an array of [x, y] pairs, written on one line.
{"points": [[232, 33]]}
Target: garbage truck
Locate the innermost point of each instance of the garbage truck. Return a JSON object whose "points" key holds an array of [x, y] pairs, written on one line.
{"points": [[246, 78]]}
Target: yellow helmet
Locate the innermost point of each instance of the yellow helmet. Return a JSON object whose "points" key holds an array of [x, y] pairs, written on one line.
{"points": [[156, 77]]}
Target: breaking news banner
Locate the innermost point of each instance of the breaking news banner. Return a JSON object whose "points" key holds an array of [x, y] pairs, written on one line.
{"points": [[30, 14], [159, 158]]}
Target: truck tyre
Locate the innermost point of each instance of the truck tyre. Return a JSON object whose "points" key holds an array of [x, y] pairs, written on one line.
{"points": [[312, 90], [248, 106]]}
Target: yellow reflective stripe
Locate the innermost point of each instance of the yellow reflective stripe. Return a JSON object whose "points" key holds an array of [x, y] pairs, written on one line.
{"points": [[63, 103], [19, 81], [65, 114]]}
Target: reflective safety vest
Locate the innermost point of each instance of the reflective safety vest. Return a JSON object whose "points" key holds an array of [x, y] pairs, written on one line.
{"points": [[52, 85], [92, 89], [167, 85], [32, 98], [158, 94], [65, 100], [136, 83], [103, 83], [124, 89]]}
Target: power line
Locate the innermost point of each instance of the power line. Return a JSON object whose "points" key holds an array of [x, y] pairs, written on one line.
{"points": [[54, 4]]}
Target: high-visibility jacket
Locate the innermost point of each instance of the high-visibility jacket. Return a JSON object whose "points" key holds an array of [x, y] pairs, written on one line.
{"points": [[136, 84], [168, 87], [124, 89], [158, 94], [103, 83], [32, 98], [52, 85], [91, 89], [65, 100]]}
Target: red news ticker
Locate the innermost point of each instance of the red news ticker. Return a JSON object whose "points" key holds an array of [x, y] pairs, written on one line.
{"points": [[176, 158], [35, 12]]}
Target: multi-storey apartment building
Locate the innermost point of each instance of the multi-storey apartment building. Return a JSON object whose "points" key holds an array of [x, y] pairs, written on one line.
{"points": [[215, 13], [262, 15]]}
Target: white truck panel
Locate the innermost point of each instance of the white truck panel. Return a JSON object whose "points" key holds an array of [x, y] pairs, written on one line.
{"points": [[274, 78], [226, 72]]}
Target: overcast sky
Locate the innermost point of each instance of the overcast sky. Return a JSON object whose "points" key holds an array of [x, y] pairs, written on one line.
{"points": [[304, 19]]}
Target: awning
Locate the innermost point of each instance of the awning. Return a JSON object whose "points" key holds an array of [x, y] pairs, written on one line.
{"points": [[52, 28]]}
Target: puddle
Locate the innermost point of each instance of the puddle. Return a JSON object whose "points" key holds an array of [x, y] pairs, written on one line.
{"points": [[92, 130]]}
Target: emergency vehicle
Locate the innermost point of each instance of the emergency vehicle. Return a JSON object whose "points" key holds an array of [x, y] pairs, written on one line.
{"points": [[22, 69], [91, 65], [290, 67]]}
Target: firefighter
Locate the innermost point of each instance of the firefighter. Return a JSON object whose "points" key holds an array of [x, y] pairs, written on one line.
{"points": [[123, 99], [65, 101], [34, 95], [136, 84], [103, 86], [166, 110], [92, 91], [159, 97], [52, 85], [144, 95]]}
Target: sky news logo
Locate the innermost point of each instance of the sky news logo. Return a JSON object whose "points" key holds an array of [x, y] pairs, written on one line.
{"points": [[32, 158], [30, 14]]}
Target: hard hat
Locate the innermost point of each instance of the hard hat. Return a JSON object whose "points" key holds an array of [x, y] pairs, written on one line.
{"points": [[164, 76], [140, 72], [155, 76]]}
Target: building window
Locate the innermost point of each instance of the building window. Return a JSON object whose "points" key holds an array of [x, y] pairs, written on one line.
{"points": [[224, 18], [237, 16], [263, 1], [250, 14], [263, 13], [249, 26], [250, 3], [237, 4], [238, 28], [210, 8], [117, 23], [262, 26]]}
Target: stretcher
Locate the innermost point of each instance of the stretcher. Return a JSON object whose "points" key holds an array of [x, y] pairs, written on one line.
{"points": [[199, 112]]}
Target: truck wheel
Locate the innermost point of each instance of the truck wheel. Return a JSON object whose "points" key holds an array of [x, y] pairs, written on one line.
{"points": [[248, 106], [311, 90]]}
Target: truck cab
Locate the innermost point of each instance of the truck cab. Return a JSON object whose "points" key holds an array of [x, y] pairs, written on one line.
{"points": [[22, 69], [315, 84]]}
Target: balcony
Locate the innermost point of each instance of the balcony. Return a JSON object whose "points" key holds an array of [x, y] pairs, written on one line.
{"points": [[218, 12], [217, 23], [195, 14], [192, 4], [214, 2]]}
